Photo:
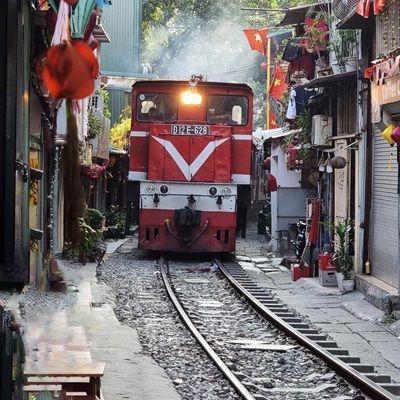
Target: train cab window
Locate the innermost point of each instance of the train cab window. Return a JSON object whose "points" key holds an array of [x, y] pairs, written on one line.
{"points": [[156, 107], [227, 110]]}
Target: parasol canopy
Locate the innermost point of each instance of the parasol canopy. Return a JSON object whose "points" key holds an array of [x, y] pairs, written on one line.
{"points": [[80, 17]]}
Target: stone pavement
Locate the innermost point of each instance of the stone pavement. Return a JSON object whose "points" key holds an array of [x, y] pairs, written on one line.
{"points": [[129, 374], [354, 323], [348, 318]]}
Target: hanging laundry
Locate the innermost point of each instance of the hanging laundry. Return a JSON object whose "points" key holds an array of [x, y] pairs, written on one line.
{"points": [[292, 51], [305, 63], [291, 110], [302, 96]]}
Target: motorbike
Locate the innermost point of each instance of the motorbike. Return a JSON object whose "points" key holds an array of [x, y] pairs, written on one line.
{"points": [[300, 242]]}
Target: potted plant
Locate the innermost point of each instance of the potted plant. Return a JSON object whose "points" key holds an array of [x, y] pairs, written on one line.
{"points": [[348, 39], [341, 257]]}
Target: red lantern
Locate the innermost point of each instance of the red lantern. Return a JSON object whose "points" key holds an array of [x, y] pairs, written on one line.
{"points": [[93, 172], [70, 71], [396, 135], [267, 162], [272, 185]]}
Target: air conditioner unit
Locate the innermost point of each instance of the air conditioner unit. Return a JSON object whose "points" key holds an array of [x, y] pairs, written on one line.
{"points": [[321, 130], [97, 102]]}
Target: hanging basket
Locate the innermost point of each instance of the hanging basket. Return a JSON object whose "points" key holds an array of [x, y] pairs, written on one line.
{"points": [[93, 171], [299, 158], [338, 162]]}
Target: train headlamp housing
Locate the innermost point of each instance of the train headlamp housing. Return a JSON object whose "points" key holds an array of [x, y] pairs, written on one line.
{"points": [[213, 190], [150, 188], [164, 189], [226, 191], [191, 97]]}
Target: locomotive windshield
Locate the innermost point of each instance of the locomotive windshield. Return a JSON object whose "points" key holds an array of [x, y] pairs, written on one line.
{"points": [[163, 107], [230, 110], [156, 107]]}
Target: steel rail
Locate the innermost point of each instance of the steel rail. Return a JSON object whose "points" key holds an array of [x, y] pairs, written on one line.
{"points": [[239, 387], [367, 386]]}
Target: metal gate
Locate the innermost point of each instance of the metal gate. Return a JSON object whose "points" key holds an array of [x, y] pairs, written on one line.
{"points": [[385, 204]]}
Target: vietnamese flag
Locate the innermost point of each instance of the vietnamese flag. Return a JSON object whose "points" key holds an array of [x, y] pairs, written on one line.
{"points": [[273, 124], [257, 39], [278, 85]]}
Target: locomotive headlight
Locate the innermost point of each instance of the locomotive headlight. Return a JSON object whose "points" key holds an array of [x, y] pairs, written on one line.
{"points": [[150, 189], [191, 97], [226, 191], [212, 191], [164, 189]]}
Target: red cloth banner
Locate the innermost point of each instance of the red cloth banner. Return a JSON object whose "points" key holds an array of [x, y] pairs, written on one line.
{"points": [[257, 39], [278, 85], [314, 230], [364, 7], [273, 124]]}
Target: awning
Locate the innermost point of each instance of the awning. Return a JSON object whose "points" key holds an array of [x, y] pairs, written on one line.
{"points": [[355, 21], [297, 15], [260, 135], [100, 34], [330, 79]]}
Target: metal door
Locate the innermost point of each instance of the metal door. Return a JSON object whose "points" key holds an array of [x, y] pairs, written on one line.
{"points": [[385, 203]]}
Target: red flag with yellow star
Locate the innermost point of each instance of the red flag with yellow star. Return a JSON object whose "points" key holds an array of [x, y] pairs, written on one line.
{"points": [[278, 85], [273, 123], [257, 39]]}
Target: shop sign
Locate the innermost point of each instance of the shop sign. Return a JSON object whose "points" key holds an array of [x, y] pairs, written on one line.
{"points": [[389, 92], [342, 193]]}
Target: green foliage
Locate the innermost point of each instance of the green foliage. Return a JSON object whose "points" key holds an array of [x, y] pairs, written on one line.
{"points": [[95, 126], [207, 35], [388, 318], [94, 218], [304, 122], [89, 236], [89, 245], [119, 131], [342, 257], [106, 99], [115, 221]]}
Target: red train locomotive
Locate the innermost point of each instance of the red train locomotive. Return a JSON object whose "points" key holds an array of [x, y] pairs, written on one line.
{"points": [[190, 163]]}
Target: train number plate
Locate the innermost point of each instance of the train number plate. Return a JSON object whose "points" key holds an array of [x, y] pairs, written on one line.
{"points": [[190, 130]]}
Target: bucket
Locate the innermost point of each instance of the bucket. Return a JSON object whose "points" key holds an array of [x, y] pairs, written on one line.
{"points": [[351, 64]]}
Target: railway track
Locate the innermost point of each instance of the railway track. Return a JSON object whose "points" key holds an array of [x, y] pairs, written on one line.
{"points": [[360, 375]]}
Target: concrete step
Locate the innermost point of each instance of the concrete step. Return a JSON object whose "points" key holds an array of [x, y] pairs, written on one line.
{"points": [[292, 319], [299, 325], [362, 367], [379, 378], [338, 352], [310, 331], [277, 308], [268, 304], [329, 344], [266, 300], [317, 337], [284, 314], [350, 359], [393, 388]]}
